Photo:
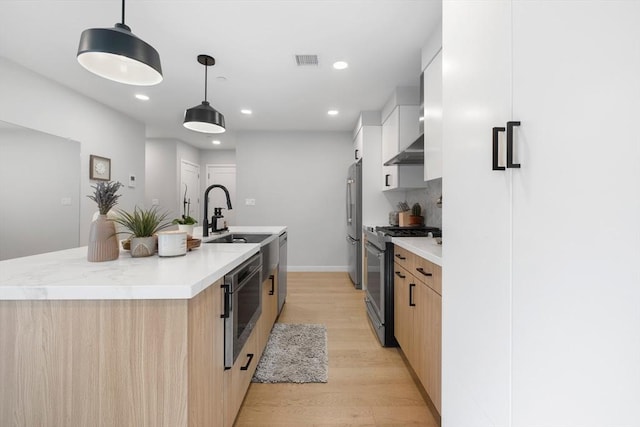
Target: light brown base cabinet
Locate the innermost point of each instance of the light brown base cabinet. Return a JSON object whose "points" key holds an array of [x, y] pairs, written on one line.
{"points": [[124, 362], [418, 318]]}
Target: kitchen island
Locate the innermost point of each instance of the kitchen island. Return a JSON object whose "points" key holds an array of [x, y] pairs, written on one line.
{"points": [[135, 341]]}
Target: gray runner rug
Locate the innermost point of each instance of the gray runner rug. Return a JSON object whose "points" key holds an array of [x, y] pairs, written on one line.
{"points": [[295, 353]]}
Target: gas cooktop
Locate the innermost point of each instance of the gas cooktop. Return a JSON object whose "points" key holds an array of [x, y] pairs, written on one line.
{"points": [[414, 231]]}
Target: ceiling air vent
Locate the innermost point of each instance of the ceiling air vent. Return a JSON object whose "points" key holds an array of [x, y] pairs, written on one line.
{"points": [[305, 60]]}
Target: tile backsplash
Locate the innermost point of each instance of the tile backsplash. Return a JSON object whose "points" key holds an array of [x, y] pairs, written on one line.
{"points": [[427, 197]]}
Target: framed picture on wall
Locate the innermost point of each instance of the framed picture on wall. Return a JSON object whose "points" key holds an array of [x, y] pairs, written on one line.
{"points": [[99, 168]]}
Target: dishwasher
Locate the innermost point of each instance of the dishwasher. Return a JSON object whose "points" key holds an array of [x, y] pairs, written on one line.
{"points": [[282, 272]]}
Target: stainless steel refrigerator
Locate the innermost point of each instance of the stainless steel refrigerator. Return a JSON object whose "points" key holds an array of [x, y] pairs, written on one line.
{"points": [[354, 222]]}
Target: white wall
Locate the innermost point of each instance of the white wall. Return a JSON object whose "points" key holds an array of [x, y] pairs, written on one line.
{"points": [[298, 180], [161, 172], [32, 101], [39, 222]]}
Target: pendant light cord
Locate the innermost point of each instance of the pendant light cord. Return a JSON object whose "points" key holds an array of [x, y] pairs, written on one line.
{"points": [[123, 12], [205, 82]]}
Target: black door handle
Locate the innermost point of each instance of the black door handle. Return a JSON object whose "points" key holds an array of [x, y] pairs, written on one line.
{"points": [[510, 163], [246, 367], [421, 270], [273, 284], [400, 257], [496, 133], [355, 154], [400, 275], [386, 180], [411, 286]]}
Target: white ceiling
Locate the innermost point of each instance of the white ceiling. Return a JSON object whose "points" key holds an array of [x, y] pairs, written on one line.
{"points": [[253, 42]]}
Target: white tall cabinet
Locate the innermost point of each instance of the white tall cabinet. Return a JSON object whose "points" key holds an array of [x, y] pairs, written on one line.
{"points": [[541, 274]]}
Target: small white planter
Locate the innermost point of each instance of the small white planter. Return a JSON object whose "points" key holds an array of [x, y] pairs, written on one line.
{"points": [[186, 227]]}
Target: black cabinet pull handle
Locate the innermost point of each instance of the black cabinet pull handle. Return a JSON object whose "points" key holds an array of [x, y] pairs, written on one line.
{"points": [[386, 180], [273, 284], [400, 275], [355, 154], [400, 257], [496, 132], [246, 367], [411, 286], [421, 270], [227, 302], [510, 163]]}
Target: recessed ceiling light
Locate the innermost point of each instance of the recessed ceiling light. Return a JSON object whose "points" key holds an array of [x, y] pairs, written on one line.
{"points": [[246, 111], [142, 97], [221, 78], [215, 142], [340, 65], [332, 112]]}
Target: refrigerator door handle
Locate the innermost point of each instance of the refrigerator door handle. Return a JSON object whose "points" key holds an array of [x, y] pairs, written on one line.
{"points": [[349, 212]]}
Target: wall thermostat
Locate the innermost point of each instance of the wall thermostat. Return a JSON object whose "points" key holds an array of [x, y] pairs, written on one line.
{"points": [[132, 181]]}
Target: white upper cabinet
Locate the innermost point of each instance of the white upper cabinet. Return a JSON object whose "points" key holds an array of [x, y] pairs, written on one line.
{"points": [[358, 145], [433, 119], [399, 130]]}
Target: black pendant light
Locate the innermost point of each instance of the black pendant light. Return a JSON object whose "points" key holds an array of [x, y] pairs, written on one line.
{"points": [[203, 117], [117, 54]]}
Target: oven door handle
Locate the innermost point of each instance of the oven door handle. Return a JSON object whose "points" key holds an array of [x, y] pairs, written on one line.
{"points": [[227, 302], [376, 252]]}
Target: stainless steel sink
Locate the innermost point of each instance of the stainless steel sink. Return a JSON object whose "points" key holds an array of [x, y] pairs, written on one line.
{"points": [[270, 253], [240, 238]]}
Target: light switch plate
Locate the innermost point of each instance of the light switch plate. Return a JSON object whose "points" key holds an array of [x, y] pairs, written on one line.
{"points": [[250, 202]]}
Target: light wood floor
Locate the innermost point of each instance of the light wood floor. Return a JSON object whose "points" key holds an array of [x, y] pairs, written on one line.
{"points": [[368, 385]]}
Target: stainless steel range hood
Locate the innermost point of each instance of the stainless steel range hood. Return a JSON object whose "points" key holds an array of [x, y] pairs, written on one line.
{"points": [[412, 155]]}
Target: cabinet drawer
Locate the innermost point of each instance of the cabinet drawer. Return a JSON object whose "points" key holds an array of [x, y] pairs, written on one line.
{"points": [[428, 273], [403, 257]]}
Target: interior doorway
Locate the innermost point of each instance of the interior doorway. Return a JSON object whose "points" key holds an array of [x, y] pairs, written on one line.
{"points": [[223, 175], [189, 182]]}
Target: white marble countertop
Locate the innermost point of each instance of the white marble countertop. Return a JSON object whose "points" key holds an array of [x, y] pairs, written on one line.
{"points": [[67, 275], [426, 247]]}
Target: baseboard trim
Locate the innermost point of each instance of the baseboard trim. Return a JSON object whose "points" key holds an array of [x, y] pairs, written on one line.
{"points": [[318, 268]]}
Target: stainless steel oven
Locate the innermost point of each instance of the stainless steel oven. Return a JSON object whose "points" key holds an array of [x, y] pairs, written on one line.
{"points": [[379, 276], [242, 306], [379, 293]]}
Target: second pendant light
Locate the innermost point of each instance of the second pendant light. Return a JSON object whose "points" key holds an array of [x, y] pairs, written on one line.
{"points": [[203, 117]]}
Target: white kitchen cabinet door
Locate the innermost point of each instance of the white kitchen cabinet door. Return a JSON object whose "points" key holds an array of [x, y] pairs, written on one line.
{"points": [[358, 145], [399, 130], [576, 214], [433, 119], [554, 245], [476, 217]]}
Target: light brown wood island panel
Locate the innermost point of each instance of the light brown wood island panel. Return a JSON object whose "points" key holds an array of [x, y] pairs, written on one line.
{"points": [[109, 362]]}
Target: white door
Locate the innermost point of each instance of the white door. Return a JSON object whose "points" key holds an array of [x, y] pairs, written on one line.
{"points": [[476, 219], [542, 263], [189, 183], [222, 175], [576, 309]]}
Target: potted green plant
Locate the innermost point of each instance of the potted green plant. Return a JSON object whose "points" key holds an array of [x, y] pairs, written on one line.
{"points": [[142, 224], [103, 242], [186, 222], [416, 218]]}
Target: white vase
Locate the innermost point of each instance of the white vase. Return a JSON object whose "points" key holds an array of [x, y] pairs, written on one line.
{"points": [[143, 246]]}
